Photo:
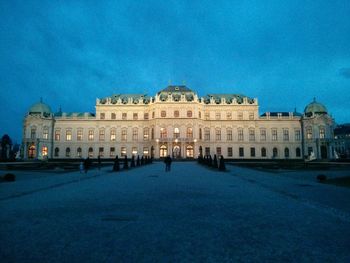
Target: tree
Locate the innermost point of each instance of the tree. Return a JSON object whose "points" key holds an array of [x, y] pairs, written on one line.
{"points": [[6, 144]]}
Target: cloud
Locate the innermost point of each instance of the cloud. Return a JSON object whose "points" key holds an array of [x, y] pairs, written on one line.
{"points": [[345, 72]]}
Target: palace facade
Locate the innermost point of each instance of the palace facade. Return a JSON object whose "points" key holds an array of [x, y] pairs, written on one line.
{"points": [[177, 122]]}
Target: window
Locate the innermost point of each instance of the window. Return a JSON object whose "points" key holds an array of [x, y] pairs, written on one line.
{"points": [[123, 151], [251, 115], [124, 134], [189, 151], [241, 151], [207, 150], [163, 133], [207, 115], [176, 133], [200, 133], [135, 116], [263, 152], [207, 134], [146, 116], [285, 135], [252, 152], [189, 133], [229, 115], [274, 134], [240, 134], [145, 134], [102, 116], [229, 134], [135, 134], [217, 115], [309, 133], [145, 151], [218, 151], [57, 152], [134, 151], [91, 152], [44, 151], [218, 134], [298, 152], [152, 133], [113, 116], [33, 133], [189, 114], [251, 135], [112, 152], [297, 135], [152, 114], [163, 114], [67, 152], [274, 152], [124, 116], [68, 135], [101, 135], [91, 135], [229, 152], [57, 135], [322, 132], [101, 151], [113, 135], [200, 114], [240, 115], [79, 152], [79, 135], [46, 133], [262, 135], [286, 152]]}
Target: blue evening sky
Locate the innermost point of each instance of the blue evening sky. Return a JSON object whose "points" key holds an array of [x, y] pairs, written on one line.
{"points": [[284, 53]]}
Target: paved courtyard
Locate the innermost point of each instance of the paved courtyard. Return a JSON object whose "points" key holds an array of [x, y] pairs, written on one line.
{"points": [[191, 214]]}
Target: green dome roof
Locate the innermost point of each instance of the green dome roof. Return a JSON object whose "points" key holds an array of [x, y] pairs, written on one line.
{"points": [[315, 108], [40, 107]]}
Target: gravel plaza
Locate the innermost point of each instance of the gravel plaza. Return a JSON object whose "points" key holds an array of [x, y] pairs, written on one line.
{"points": [[190, 214]]}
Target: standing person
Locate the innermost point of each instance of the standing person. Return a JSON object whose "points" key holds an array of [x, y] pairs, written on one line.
{"points": [[86, 164], [167, 161]]}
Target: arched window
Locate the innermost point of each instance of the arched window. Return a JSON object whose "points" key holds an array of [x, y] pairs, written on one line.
{"points": [[309, 133], [79, 152], [91, 152], [322, 133], [263, 152], [31, 151], [189, 151], [286, 152], [45, 133], [274, 152], [57, 152], [44, 151], [67, 152], [298, 152]]}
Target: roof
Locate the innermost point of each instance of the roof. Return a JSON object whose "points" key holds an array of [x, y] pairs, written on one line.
{"points": [[176, 88], [342, 129], [315, 108], [41, 108], [283, 114]]}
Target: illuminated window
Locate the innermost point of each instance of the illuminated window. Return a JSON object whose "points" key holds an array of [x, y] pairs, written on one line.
{"points": [[68, 136], [123, 151], [145, 134], [145, 151], [91, 135], [163, 151], [189, 133], [163, 133], [79, 135], [134, 151], [113, 135], [44, 151], [176, 133], [309, 133], [322, 132]]}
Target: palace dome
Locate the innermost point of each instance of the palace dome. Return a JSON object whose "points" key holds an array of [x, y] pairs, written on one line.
{"points": [[40, 108], [315, 108]]}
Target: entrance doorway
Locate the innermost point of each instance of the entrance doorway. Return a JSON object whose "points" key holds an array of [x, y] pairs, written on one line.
{"points": [[323, 152], [176, 151], [189, 151], [163, 151]]}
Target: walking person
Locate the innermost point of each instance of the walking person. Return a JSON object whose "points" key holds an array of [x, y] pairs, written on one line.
{"points": [[81, 167]]}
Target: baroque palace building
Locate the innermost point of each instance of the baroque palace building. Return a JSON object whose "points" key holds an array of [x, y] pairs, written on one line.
{"points": [[177, 122]]}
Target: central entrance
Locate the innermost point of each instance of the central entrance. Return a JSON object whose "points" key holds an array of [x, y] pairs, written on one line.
{"points": [[176, 151]]}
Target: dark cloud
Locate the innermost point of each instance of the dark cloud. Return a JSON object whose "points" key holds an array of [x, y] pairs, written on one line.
{"points": [[345, 72]]}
